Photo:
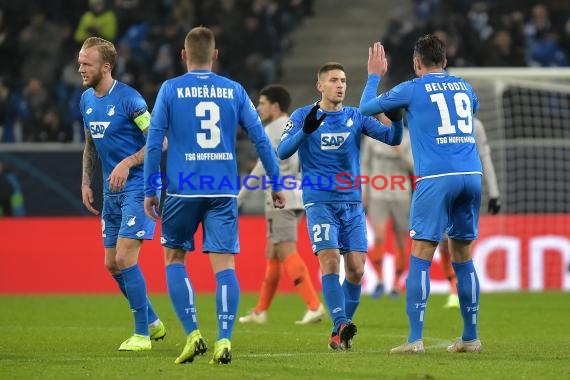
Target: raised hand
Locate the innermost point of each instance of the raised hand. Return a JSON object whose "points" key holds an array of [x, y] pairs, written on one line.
{"points": [[311, 122], [377, 62]]}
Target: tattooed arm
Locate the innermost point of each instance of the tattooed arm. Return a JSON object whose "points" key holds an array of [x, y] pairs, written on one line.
{"points": [[89, 160]]}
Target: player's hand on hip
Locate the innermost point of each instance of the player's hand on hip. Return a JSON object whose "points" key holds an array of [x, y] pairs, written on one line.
{"points": [[151, 207], [377, 62], [311, 122], [118, 177], [87, 196], [494, 206], [278, 199]]}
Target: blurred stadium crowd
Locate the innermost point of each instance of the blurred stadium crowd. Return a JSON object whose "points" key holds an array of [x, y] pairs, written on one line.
{"points": [[39, 41], [491, 33]]}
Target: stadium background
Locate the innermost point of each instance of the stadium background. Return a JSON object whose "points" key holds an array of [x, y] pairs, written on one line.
{"points": [[526, 247]]}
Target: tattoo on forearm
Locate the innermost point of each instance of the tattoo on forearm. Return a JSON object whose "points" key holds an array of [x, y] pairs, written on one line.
{"points": [[137, 158], [89, 161]]}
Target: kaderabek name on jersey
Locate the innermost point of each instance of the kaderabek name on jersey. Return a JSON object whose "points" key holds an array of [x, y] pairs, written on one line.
{"points": [[205, 92]]}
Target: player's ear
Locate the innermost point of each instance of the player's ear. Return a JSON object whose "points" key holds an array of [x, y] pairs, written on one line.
{"points": [[417, 64], [214, 55], [444, 65], [319, 86], [277, 107], [183, 55]]}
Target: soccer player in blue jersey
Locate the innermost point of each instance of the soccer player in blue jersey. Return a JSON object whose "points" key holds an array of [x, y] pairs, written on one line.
{"points": [[200, 112], [440, 109], [494, 206], [115, 117], [327, 136]]}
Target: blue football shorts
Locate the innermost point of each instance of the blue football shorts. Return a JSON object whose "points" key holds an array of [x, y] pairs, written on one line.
{"points": [[123, 215], [219, 217], [337, 225], [446, 204]]}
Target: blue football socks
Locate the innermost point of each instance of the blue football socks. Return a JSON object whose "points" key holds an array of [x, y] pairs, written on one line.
{"points": [[351, 298], [417, 293], [152, 317], [227, 302], [468, 292], [182, 296], [334, 299], [135, 288]]}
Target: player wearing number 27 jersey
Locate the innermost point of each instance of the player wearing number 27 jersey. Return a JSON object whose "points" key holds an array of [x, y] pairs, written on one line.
{"points": [[440, 110]]}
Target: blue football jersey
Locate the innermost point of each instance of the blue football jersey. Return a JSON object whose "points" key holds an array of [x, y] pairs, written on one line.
{"points": [[200, 112], [330, 156], [439, 108], [116, 121]]}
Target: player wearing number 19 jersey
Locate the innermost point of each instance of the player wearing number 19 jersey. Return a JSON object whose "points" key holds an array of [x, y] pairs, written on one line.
{"points": [[440, 111], [200, 112]]}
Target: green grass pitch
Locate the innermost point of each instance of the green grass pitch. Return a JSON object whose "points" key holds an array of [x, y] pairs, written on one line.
{"points": [[524, 335]]}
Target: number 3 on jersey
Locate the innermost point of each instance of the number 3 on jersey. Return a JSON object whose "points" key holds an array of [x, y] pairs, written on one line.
{"points": [[212, 139], [463, 113]]}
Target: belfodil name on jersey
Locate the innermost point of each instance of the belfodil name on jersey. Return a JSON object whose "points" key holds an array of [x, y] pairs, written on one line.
{"points": [[443, 86], [205, 92]]}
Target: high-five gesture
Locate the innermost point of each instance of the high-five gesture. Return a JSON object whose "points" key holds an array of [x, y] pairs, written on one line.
{"points": [[377, 63]]}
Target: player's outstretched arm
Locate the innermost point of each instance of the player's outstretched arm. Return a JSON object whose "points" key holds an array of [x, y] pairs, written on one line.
{"points": [[375, 129], [377, 67], [89, 161], [398, 97]]}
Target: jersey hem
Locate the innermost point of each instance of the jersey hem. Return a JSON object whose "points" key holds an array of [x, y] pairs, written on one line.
{"points": [[446, 174]]}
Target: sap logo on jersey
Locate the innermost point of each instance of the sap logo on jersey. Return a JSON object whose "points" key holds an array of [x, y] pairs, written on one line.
{"points": [[332, 141], [98, 128]]}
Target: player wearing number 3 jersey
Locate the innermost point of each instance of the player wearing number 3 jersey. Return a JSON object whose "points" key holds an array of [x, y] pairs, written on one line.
{"points": [[200, 112], [439, 108]]}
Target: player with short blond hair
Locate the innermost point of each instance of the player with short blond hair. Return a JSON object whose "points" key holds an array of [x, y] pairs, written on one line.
{"points": [[116, 118]]}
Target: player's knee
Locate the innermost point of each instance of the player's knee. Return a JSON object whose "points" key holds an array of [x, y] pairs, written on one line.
{"points": [[329, 263], [112, 267], [125, 260], [355, 275]]}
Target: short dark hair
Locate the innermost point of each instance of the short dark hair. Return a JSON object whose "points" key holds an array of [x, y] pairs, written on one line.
{"points": [[329, 66], [199, 45], [277, 93], [430, 50]]}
